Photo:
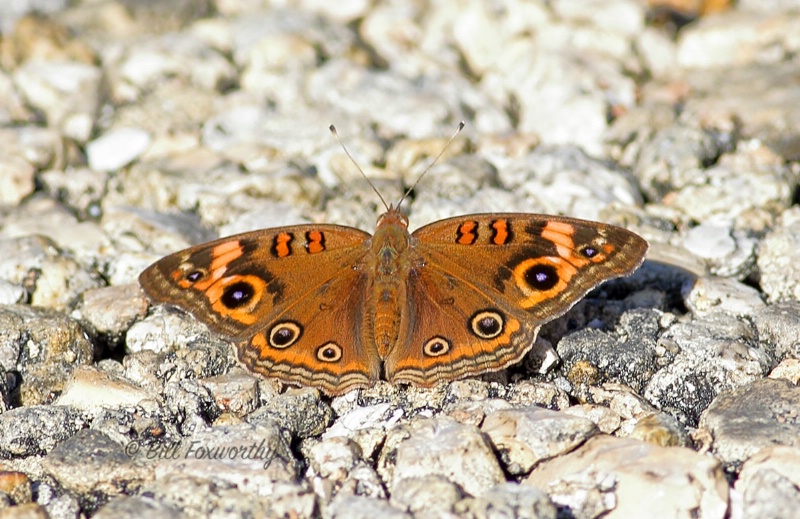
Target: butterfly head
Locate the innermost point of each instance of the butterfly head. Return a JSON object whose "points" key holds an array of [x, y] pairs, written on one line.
{"points": [[393, 217]]}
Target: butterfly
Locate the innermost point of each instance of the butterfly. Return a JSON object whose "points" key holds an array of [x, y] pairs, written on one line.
{"points": [[336, 308]]}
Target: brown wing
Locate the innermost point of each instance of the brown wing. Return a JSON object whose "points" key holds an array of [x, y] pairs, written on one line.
{"points": [[488, 282], [290, 298]]}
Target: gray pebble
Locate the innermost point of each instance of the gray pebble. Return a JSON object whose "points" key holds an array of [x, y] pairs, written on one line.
{"points": [[757, 415]]}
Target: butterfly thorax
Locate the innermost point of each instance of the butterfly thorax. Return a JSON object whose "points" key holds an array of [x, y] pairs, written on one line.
{"points": [[390, 261]]}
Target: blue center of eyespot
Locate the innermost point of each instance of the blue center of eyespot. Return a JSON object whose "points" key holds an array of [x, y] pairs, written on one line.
{"points": [[541, 277], [237, 294]]}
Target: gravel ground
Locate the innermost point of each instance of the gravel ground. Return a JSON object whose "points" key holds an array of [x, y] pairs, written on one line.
{"points": [[130, 129]]}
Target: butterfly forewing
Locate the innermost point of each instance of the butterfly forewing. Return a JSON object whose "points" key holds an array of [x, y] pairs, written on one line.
{"points": [[539, 263]]}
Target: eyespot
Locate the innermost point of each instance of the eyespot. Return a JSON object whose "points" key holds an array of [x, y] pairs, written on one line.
{"points": [[284, 334], [436, 346], [541, 276], [589, 251], [329, 352], [237, 294], [195, 275], [487, 324]]}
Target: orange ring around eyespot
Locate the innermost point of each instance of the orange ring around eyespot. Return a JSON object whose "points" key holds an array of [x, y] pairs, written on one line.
{"points": [[564, 271]]}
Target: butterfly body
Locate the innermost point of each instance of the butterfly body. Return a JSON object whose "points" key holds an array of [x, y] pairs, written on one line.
{"points": [[392, 259], [335, 308]]}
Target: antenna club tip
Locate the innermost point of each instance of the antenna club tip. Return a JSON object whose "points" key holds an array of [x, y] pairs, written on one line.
{"points": [[332, 128], [460, 125]]}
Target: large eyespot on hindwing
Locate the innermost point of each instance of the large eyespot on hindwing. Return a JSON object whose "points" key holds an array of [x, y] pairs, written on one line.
{"points": [[487, 324], [436, 346], [329, 352], [284, 334]]}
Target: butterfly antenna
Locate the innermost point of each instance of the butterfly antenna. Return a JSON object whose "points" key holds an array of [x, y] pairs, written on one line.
{"points": [[410, 189], [332, 128]]}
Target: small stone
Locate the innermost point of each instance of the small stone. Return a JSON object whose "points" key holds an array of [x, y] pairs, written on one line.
{"points": [[714, 294], [780, 275], [713, 353], [606, 419], [471, 412], [543, 394], [36, 430], [660, 429], [92, 465], [11, 294], [71, 242], [45, 346], [191, 402], [778, 328], [90, 388], [255, 458], [723, 41], [788, 369], [509, 500], [608, 474], [753, 416], [567, 180], [16, 180], [658, 51], [40, 147], [15, 485], [622, 400], [112, 310], [441, 446], [366, 426], [133, 507], [709, 241], [725, 251], [81, 189], [210, 497], [300, 411], [769, 482], [65, 91], [12, 105], [58, 503], [750, 179], [26, 511], [426, 495], [525, 437], [116, 149], [39, 35], [382, 415], [235, 392], [591, 356], [50, 277], [361, 507], [145, 369], [333, 458]]}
